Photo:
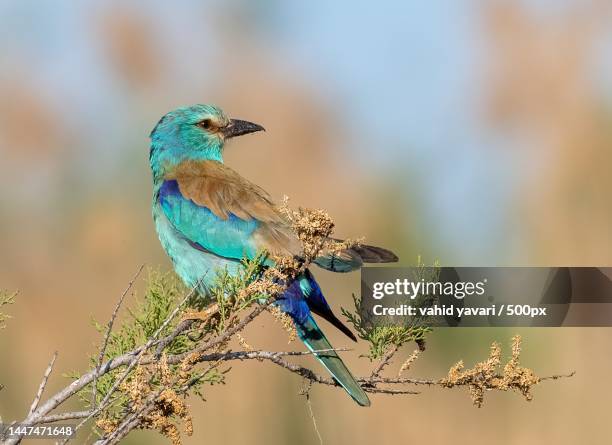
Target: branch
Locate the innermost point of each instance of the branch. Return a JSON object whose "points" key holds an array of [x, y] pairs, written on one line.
{"points": [[108, 333], [135, 360], [43, 384], [371, 384], [149, 383], [65, 416], [384, 361], [207, 351]]}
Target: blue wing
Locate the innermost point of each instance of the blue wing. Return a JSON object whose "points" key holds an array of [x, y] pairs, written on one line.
{"points": [[228, 238]]}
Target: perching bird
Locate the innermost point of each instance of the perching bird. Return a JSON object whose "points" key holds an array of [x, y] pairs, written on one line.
{"points": [[208, 218]]}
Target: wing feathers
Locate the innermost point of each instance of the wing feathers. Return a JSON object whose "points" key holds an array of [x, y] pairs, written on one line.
{"points": [[373, 254], [352, 259], [224, 192], [213, 185]]}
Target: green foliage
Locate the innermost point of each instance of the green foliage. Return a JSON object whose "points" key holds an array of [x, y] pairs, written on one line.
{"points": [[382, 335], [163, 293], [381, 338], [6, 299], [234, 293]]}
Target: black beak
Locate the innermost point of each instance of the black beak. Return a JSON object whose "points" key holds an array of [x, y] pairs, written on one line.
{"points": [[236, 127]]}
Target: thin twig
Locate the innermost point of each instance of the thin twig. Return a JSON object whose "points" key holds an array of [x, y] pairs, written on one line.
{"points": [[131, 421], [183, 326], [250, 355], [224, 337], [368, 384], [51, 418], [43, 384], [109, 328], [408, 362], [104, 403], [312, 416], [384, 361], [400, 381], [558, 376], [390, 391]]}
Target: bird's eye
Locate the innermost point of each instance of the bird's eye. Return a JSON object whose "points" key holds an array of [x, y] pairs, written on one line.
{"points": [[206, 124]]}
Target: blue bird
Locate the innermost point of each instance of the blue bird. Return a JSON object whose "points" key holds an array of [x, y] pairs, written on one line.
{"points": [[209, 218]]}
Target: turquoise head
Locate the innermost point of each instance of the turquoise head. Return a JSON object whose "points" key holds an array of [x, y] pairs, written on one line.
{"points": [[197, 132]]}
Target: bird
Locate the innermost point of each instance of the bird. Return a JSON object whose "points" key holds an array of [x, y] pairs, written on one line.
{"points": [[209, 218]]}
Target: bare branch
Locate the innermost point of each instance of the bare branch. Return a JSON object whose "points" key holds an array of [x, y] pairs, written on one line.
{"points": [[370, 384], [384, 361], [64, 416], [43, 384], [558, 376], [311, 412]]}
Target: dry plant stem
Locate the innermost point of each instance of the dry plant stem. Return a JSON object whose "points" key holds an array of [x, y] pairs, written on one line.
{"points": [[367, 383], [41, 414], [558, 376], [65, 416], [43, 384], [130, 422], [408, 362], [370, 384], [384, 361], [183, 326], [109, 329], [133, 420], [130, 359], [312, 416]]}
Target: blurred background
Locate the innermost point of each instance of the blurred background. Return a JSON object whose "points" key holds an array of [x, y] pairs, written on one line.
{"points": [[475, 132]]}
